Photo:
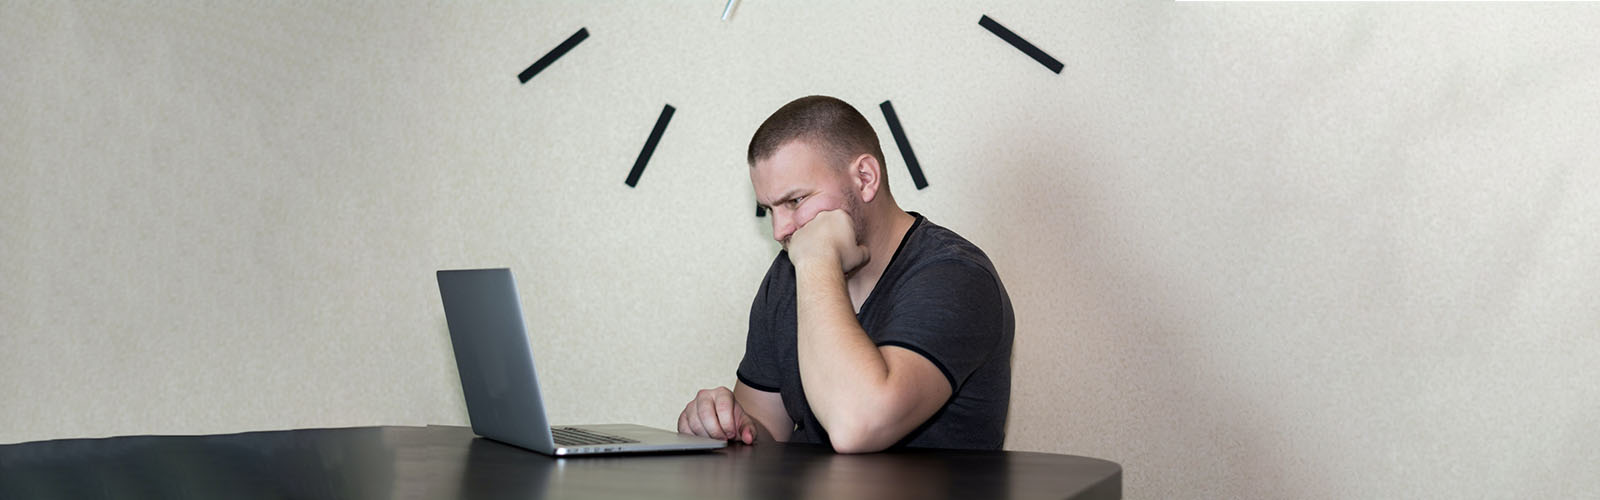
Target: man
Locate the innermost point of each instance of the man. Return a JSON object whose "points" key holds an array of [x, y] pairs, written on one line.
{"points": [[874, 327]]}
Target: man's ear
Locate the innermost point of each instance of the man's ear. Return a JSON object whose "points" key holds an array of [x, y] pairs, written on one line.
{"points": [[867, 174]]}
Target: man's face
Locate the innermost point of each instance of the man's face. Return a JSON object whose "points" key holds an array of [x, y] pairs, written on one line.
{"points": [[796, 183]]}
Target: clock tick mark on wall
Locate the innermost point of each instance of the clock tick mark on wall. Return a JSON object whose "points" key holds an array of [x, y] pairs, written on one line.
{"points": [[905, 145], [650, 145], [556, 53], [1020, 44]]}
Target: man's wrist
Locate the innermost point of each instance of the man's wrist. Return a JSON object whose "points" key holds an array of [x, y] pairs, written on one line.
{"points": [[813, 260], [818, 279]]}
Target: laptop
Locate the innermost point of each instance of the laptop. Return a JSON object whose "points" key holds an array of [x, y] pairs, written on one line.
{"points": [[484, 314]]}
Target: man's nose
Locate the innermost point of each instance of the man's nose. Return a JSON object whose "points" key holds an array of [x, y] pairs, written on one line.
{"points": [[782, 226]]}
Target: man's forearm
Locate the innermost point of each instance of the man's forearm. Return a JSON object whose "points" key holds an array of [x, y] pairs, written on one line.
{"points": [[842, 371]]}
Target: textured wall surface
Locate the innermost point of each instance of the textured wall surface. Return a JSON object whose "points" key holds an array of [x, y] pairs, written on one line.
{"points": [[1256, 250]]}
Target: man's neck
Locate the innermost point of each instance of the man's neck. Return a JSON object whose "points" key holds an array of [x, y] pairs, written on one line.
{"points": [[881, 244]]}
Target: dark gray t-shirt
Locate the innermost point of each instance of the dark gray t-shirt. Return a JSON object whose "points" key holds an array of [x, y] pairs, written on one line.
{"points": [[939, 297]]}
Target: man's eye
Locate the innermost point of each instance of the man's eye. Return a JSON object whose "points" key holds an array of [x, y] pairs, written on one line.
{"points": [[795, 202]]}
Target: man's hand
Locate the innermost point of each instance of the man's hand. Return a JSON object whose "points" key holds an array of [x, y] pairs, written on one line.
{"points": [[830, 238], [715, 414]]}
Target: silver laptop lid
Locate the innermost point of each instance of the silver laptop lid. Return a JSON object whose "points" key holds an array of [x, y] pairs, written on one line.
{"points": [[493, 357]]}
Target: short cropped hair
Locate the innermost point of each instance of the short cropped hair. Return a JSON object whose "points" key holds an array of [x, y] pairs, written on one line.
{"points": [[825, 122]]}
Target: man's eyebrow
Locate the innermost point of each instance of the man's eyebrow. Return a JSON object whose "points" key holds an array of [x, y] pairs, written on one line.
{"points": [[781, 198]]}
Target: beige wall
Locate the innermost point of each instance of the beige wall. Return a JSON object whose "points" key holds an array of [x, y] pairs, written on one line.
{"points": [[1256, 250]]}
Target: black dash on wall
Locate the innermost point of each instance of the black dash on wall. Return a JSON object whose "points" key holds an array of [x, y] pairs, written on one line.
{"points": [[650, 146], [905, 145], [556, 53], [761, 211], [1020, 44]]}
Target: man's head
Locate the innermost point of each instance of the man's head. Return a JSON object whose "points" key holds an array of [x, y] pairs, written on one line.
{"points": [[824, 121], [817, 154]]}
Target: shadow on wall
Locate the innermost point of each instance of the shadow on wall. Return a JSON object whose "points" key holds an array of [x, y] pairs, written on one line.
{"points": [[1108, 358]]}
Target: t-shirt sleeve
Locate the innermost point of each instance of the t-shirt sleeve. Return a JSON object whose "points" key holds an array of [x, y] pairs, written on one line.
{"points": [[950, 312], [759, 367]]}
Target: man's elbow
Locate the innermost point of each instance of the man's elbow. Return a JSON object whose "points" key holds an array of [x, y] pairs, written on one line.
{"points": [[861, 438], [872, 425], [854, 445]]}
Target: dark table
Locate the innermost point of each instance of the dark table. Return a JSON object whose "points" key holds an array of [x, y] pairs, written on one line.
{"points": [[449, 462]]}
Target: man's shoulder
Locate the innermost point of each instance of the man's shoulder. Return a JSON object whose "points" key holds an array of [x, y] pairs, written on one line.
{"points": [[937, 261], [933, 244]]}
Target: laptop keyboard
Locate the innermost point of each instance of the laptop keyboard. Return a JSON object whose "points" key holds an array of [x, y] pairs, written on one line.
{"points": [[573, 436]]}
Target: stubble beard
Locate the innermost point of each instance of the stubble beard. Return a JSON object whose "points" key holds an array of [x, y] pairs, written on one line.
{"points": [[858, 216]]}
